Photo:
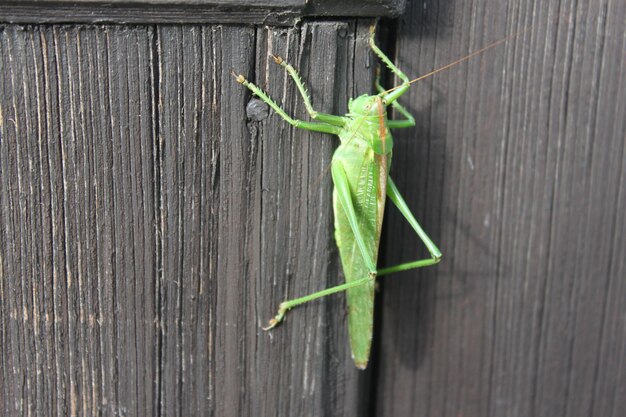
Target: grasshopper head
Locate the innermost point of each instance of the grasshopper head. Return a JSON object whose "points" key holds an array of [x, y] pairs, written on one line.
{"points": [[366, 106], [372, 110]]}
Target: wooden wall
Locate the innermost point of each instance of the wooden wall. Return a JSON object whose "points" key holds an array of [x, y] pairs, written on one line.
{"points": [[152, 216], [517, 168]]}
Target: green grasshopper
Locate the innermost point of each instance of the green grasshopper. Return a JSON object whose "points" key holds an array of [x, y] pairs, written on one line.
{"points": [[360, 172]]}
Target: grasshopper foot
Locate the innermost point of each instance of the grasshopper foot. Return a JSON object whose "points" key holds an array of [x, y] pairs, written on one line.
{"points": [[282, 310], [277, 59], [373, 29], [240, 78]]}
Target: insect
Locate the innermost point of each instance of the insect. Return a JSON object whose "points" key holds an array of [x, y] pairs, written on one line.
{"points": [[360, 173]]}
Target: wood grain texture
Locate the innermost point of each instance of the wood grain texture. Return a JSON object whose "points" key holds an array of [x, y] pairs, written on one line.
{"points": [[270, 12], [153, 217], [78, 235], [516, 169], [134, 13]]}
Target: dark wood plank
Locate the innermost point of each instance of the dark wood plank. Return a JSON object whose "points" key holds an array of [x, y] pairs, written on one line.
{"points": [[274, 12], [355, 8], [297, 225], [516, 168], [246, 223], [33, 12], [152, 221], [78, 225]]}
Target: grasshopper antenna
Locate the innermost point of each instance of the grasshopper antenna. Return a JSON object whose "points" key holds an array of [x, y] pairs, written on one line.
{"points": [[465, 58]]}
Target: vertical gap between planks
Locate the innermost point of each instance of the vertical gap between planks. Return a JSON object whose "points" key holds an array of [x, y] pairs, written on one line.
{"points": [[386, 40], [158, 204]]}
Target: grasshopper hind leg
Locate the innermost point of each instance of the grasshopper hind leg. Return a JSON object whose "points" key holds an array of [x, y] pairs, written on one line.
{"points": [[285, 306], [435, 253], [343, 192]]}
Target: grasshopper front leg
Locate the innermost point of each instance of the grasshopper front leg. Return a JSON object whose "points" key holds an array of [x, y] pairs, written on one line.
{"points": [[395, 124], [314, 126], [322, 117], [393, 95]]}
